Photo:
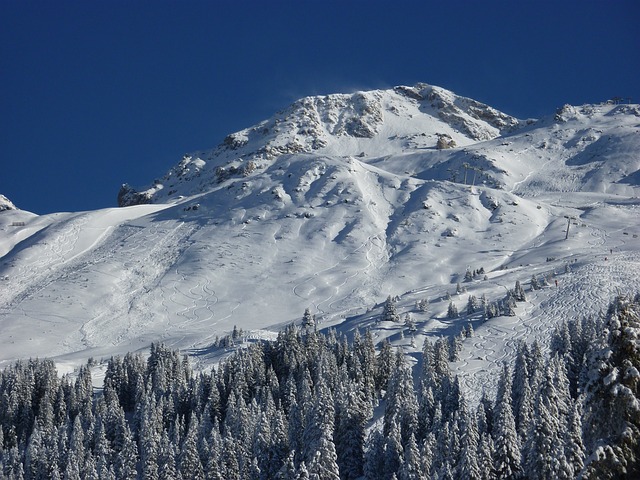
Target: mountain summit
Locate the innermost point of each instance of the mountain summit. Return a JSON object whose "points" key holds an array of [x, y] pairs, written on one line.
{"points": [[366, 125]]}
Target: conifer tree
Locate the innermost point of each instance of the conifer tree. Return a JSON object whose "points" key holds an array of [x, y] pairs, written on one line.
{"points": [[520, 385], [472, 304], [350, 428], [410, 323], [149, 447], [612, 416], [452, 310], [72, 467], [35, 458], [303, 473], [308, 320], [374, 460], [411, 469], [230, 467], [401, 401], [384, 362], [518, 292], [535, 285], [426, 455], [468, 276], [189, 463], [573, 445], [323, 465], [455, 345], [127, 458], [468, 467], [506, 445], [89, 467], [319, 427], [485, 457], [393, 451], [541, 441], [389, 312], [422, 305], [212, 468], [288, 470]]}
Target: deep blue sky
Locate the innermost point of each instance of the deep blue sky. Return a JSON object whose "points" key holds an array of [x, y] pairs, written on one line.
{"points": [[94, 94]]}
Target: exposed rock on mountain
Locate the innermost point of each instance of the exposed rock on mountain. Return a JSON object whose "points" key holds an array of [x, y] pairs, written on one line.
{"points": [[6, 204]]}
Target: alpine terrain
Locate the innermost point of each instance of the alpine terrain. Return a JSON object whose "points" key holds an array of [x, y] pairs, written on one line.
{"points": [[412, 214]]}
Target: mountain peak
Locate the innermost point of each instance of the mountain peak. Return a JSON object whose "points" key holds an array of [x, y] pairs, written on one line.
{"points": [[364, 124]]}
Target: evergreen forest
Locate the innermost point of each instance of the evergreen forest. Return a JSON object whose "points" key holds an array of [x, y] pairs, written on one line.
{"points": [[319, 405]]}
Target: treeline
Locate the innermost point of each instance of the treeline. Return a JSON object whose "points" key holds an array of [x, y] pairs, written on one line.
{"points": [[303, 407]]}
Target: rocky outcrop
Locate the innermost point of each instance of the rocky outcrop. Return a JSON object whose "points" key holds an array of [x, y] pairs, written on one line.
{"points": [[6, 204], [128, 196]]}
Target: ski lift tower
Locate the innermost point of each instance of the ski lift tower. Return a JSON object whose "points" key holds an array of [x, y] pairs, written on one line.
{"points": [[569, 218]]}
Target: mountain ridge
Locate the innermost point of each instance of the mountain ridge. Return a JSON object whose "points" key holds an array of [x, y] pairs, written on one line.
{"points": [[422, 116]]}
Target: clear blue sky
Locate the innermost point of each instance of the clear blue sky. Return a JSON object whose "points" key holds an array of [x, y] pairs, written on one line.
{"points": [[97, 93]]}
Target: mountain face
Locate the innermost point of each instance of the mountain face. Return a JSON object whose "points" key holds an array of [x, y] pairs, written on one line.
{"points": [[333, 205]]}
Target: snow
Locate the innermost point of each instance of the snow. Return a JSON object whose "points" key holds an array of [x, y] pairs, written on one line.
{"points": [[337, 229]]}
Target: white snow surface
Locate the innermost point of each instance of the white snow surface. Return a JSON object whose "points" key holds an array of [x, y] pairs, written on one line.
{"points": [[370, 209]]}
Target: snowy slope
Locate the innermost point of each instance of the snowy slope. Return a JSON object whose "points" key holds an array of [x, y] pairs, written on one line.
{"points": [[372, 208]]}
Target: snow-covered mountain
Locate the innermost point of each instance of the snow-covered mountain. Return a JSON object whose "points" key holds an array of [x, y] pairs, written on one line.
{"points": [[366, 125], [333, 205]]}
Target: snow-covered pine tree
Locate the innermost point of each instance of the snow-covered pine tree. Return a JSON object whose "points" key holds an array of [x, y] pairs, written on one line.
{"points": [[401, 401], [468, 331], [520, 383], [468, 276], [319, 429], [573, 444], [350, 428], [455, 345], [323, 465], [288, 470], [452, 310], [389, 311], [384, 362], [518, 292], [374, 456], [393, 451], [422, 305], [410, 323], [544, 451], [468, 467], [189, 464], [535, 285], [506, 456], [612, 415], [308, 320], [426, 455], [473, 305], [411, 469]]}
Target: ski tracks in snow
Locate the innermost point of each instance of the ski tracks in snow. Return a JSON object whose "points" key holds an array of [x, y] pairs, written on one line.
{"points": [[54, 260], [586, 291], [344, 273]]}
